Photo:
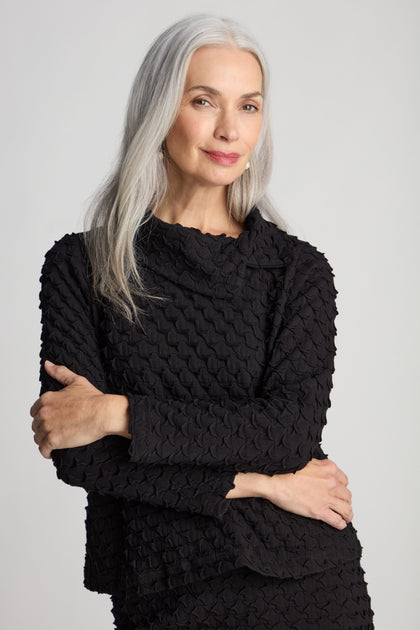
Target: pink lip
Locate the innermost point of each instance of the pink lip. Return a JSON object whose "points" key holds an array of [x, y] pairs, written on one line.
{"points": [[223, 158]]}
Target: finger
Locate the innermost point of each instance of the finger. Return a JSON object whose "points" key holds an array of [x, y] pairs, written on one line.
{"points": [[61, 373], [45, 448], [342, 508], [334, 519], [37, 428], [335, 471], [35, 408], [38, 437], [45, 453], [342, 477], [341, 492]]}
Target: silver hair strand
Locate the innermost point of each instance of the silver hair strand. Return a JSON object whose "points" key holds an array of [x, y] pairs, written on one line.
{"points": [[139, 180]]}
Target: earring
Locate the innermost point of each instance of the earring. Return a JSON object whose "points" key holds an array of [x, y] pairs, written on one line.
{"points": [[161, 152], [247, 166]]}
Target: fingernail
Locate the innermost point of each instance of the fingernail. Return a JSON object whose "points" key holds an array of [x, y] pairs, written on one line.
{"points": [[49, 362]]}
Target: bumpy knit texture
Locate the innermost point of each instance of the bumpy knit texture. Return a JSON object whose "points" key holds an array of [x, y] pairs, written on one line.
{"points": [[232, 372], [335, 599]]}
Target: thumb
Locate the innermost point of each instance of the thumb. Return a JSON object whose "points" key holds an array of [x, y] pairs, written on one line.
{"points": [[60, 372]]}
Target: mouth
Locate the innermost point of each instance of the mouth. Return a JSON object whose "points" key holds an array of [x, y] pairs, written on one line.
{"points": [[223, 158]]}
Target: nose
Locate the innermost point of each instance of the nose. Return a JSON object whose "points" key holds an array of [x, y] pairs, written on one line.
{"points": [[226, 127]]}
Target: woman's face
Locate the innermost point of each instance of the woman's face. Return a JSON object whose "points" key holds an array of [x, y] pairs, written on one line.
{"points": [[219, 119]]}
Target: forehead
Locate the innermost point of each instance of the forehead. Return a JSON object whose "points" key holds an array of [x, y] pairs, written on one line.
{"points": [[223, 67]]}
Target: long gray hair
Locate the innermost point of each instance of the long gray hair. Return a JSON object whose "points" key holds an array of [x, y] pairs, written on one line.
{"points": [[139, 180]]}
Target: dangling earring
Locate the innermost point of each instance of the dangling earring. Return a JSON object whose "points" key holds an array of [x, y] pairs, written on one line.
{"points": [[247, 166]]}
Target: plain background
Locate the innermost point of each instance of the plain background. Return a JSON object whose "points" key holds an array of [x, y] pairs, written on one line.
{"points": [[345, 102]]}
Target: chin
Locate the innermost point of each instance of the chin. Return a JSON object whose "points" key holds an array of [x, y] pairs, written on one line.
{"points": [[224, 179], [221, 183]]}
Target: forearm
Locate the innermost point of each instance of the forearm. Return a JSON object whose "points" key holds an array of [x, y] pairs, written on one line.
{"points": [[102, 467], [71, 422], [268, 434], [116, 421], [98, 460]]}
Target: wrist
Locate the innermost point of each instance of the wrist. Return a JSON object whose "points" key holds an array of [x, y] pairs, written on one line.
{"points": [[279, 488], [265, 485], [115, 417], [249, 485], [262, 484]]}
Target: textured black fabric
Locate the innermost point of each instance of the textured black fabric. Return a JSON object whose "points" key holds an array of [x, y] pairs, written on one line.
{"points": [[336, 599], [232, 373]]}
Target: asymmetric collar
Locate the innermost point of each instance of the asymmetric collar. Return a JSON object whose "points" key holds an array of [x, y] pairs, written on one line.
{"points": [[208, 263]]}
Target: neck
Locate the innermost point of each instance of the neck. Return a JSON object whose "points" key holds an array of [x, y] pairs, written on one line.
{"points": [[204, 208]]}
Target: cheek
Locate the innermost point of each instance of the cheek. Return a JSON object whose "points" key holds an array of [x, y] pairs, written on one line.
{"points": [[254, 134], [186, 133]]}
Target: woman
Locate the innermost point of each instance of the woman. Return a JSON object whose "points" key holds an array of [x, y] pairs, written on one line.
{"points": [[192, 343]]}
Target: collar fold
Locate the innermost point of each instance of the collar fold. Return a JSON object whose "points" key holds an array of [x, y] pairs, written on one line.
{"points": [[212, 264]]}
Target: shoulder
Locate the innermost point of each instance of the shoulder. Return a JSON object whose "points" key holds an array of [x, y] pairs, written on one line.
{"points": [[305, 270], [296, 254], [68, 255], [69, 247], [66, 265]]}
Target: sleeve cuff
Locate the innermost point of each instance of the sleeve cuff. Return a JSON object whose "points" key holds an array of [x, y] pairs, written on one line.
{"points": [[138, 427], [214, 502]]}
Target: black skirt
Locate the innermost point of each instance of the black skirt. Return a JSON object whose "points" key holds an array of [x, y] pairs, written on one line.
{"points": [[245, 600]]}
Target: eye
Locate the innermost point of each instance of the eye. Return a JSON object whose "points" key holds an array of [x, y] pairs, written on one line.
{"points": [[250, 108], [201, 102]]}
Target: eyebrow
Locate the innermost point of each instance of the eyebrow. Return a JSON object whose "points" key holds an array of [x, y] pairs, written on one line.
{"points": [[210, 90]]}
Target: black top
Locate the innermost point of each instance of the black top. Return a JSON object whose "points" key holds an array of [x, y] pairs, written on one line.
{"points": [[232, 373]]}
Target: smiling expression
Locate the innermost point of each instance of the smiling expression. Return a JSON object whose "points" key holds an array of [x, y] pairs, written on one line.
{"points": [[220, 117]]}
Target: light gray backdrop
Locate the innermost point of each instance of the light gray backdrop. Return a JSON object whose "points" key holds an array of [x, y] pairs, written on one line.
{"points": [[345, 108]]}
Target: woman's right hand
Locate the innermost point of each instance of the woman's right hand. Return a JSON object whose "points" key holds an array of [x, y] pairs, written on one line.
{"points": [[317, 491]]}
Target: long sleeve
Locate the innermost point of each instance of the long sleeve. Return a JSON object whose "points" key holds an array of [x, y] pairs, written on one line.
{"points": [[69, 338], [278, 431]]}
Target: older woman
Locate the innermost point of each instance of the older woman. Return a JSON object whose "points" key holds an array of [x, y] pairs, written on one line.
{"points": [[186, 363]]}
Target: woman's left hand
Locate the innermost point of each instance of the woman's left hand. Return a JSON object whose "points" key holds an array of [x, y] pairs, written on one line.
{"points": [[73, 416]]}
